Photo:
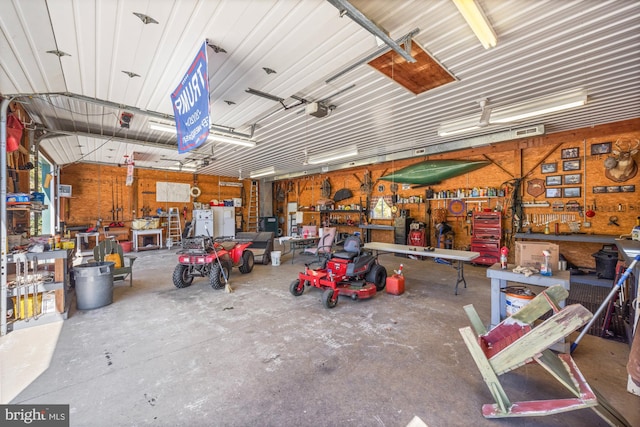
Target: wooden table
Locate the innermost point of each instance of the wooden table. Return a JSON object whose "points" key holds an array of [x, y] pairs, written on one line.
{"points": [[85, 236], [151, 232], [437, 253]]}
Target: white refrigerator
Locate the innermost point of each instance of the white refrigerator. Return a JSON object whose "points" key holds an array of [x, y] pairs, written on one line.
{"points": [[224, 221], [203, 219]]}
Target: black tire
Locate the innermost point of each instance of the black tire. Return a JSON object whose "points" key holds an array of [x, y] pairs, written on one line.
{"points": [[296, 288], [378, 276], [217, 275], [247, 262], [181, 276], [266, 258], [328, 300]]}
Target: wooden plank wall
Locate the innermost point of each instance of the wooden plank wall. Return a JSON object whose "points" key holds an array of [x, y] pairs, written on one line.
{"points": [[97, 189], [510, 160]]}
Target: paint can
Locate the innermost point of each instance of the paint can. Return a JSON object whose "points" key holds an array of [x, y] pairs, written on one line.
{"points": [[517, 297]]}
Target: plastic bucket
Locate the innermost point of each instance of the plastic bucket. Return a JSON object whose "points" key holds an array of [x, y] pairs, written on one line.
{"points": [[126, 246], [275, 257], [517, 297], [94, 285]]}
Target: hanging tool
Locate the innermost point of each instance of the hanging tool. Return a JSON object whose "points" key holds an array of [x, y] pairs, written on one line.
{"points": [[113, 203], [613, 220], [613, 292]]}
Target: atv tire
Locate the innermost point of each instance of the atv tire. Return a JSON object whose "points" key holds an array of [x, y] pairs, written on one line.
{"points": [[217, 275], [247, 262], [181, 276], [378, 276]]}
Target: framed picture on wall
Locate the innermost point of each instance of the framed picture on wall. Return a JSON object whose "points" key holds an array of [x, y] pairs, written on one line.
{"points": [[570, 153], [571, 165], [551, 193], [571, 192], [628, 188], [599, 189], [553, 180], [601, 148], [572, 179], [549, 168]]}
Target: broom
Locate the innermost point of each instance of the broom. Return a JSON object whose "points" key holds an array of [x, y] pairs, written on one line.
{"points": [[615, 289]]}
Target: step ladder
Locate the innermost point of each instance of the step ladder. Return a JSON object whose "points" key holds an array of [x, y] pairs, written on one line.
{"points": [[252, 220], [174, 228]]}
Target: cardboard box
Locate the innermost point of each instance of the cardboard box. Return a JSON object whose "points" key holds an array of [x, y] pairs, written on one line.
{"points": [[529, 254]]}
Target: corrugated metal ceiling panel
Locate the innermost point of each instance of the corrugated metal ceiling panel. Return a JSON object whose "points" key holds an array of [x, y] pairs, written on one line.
{"points": [[543, 47]]}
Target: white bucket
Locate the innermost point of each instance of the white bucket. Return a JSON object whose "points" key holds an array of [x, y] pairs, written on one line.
{"points": [[517, 297], [275, 257]]}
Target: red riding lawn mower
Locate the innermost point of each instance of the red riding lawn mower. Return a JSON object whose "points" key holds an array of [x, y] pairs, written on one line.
{"points": [[351, 272], [213, 258]]}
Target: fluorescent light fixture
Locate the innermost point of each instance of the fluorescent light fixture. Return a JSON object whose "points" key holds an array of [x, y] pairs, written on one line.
{"points": [[212, 137], [229, 140], [329, 156], [262, 172], [472, 13], [162, 127], [517, 112]]}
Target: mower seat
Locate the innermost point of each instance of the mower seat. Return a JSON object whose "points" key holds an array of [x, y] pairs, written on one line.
{"points": [[350, 250]]}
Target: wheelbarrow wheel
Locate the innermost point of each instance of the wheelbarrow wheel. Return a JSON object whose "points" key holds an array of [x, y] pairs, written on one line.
{"points": [[247, 262], [217, 275], [378, 276], [328, 300], [297, 288], [181, 276]]}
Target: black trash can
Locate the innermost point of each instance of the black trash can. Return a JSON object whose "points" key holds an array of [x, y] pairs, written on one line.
{"points": [[606, 260], [94, 285]]}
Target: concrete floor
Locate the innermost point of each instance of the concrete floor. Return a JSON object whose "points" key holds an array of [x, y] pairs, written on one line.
{"points": [[163, 356]]}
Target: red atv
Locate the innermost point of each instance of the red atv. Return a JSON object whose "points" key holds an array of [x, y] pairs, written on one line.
{"points": [[351, 272], [206, 257]]}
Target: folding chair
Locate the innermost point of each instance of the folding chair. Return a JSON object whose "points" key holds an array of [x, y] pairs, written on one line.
{"points": [[325, 245], [515, 342]]}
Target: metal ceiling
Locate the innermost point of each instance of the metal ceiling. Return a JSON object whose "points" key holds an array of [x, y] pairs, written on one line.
{"points": [[543, 47]]}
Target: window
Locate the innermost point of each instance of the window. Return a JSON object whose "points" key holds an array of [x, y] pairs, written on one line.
{"points": [[381, 209]]}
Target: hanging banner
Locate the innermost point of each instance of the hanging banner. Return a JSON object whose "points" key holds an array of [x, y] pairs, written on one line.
{"points": [[190, 102]]}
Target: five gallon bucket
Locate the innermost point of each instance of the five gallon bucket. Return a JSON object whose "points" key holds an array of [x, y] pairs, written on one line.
{"points": [[94, 285], [275, 257], [517, 297]]}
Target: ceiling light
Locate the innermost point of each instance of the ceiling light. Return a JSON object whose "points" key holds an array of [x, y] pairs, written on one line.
{"points": [[162, 127], [477, 21], [229, 140], [212, 137], [262, 172], [329, 156], [516, 112], [540, 106]]}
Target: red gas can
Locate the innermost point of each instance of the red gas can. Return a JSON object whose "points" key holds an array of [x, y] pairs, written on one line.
{"points": [[395, 284]]}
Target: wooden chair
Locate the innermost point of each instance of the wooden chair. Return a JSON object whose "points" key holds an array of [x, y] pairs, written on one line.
{"points": [[110, 250], [516, 341]]}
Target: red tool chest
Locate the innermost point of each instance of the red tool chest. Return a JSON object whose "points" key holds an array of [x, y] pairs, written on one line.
{"points": [[486, 238]]}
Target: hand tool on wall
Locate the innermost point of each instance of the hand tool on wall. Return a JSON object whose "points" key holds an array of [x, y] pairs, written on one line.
{"points": [[113, 203]]}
